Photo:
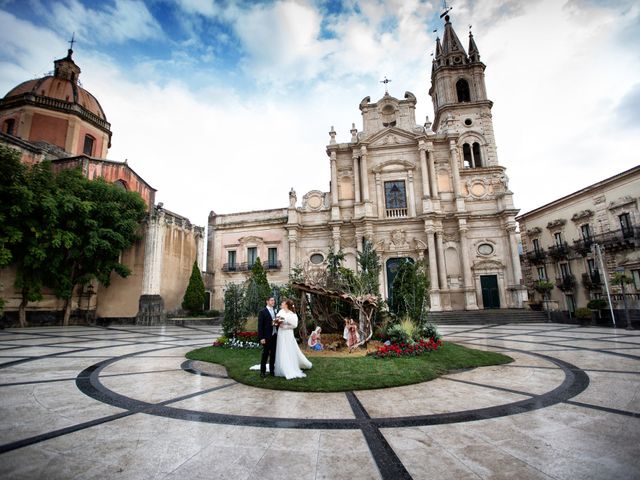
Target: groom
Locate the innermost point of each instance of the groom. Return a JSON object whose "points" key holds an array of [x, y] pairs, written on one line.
{"points": [[268, 335]]}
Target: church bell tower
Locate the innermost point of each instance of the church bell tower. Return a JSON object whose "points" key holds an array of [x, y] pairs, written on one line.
{"points": [[459, 96]]}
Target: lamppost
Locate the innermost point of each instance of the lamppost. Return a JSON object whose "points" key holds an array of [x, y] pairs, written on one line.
{"points": [[622, 279], [597, 250]]}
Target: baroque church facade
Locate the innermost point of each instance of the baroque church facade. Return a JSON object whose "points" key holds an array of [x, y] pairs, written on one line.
{"points": [[53, 118], [434, 192]]}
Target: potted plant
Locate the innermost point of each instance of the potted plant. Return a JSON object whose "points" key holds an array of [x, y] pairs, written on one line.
{"points": [[584, 316]]}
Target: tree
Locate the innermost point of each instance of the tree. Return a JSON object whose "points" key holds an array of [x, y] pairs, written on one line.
{"points": [[544, 288], [195, 294], [369, 262], [28, 215], [410, 292], [234, 318], [97, 222], [257, 289]]}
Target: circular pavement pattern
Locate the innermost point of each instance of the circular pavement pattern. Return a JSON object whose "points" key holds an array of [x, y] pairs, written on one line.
{"points": [[141, 371]]}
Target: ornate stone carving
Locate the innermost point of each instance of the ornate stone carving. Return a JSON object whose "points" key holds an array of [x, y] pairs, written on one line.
{"points": [[292, 198], [557, 223], [622, 202], [314, 200], [398, 238], [348, 241], [582, 215], [532, 232]]}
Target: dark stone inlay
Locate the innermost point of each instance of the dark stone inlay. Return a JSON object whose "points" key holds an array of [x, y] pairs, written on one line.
{"points": [[388, 463], [604, 409], [188, 367]]}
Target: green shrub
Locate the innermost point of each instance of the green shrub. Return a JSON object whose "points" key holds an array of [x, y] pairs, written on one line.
{"points": [[233, 320], [583, 313], [431, 331], [195, 295], [597, 304], [397, 334]]}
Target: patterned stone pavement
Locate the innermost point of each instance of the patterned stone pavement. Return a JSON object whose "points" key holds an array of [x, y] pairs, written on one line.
{"points": [[122, 402]]}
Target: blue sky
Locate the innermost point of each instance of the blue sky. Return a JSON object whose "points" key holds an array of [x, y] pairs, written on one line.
{"points": [[211, 102]]}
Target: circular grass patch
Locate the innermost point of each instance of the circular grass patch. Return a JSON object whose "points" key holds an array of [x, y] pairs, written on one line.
{"points": [[339, 373]]}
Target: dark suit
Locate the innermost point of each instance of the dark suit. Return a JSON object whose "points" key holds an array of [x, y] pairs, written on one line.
{"points": [[265, 332]]}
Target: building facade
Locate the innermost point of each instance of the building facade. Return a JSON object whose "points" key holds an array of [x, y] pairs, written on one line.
{"points": [[559, 241], [54, 119], [432, 192]]}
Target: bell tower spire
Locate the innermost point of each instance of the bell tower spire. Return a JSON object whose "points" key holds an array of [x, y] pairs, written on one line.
{"points": [[458, 92]]}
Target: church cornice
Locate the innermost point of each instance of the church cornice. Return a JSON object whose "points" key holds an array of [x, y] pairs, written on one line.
{"points": [[458, 106]]}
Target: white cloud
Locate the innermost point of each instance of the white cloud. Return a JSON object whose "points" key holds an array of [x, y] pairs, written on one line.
{"points": [[112, 23], [557, 72]]}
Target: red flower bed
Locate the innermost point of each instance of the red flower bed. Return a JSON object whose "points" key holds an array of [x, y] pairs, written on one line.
{"points": [[407, 350], [247, 336]]}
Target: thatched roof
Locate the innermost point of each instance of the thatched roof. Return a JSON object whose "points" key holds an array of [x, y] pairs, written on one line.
{"points": [[369, 299]]}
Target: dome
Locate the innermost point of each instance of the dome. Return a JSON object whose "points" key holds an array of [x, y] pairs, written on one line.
{"points": [[62, 85], [60, 89]]}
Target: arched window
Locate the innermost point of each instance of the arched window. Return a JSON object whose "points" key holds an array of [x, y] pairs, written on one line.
{"points": [[466, 152], [122, 184], [88, 145], [462, 89], [471, 155], [9, 126], [477, 156]]}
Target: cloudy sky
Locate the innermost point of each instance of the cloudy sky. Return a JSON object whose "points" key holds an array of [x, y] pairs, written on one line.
{"points": [[225, 105]]}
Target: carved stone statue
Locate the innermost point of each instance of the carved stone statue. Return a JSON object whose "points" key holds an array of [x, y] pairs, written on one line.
{"points": [[293, 198]]}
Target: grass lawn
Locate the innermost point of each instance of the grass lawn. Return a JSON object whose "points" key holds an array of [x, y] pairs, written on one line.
{"points": [[337, 374]]}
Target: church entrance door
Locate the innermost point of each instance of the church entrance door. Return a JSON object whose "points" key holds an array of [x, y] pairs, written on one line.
{"points": [[393, 264], [490, 293]]}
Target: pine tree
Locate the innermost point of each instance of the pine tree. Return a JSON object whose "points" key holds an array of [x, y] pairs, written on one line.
{"points": [[194, 296], [234, 319], [369, 263], [257, 289]]}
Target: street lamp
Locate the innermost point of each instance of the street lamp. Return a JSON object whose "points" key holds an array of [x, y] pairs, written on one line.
{"points": [[597, 250]]}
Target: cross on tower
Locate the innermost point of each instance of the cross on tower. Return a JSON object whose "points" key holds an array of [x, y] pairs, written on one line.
{"points": [[386, 84], [72, 41]]}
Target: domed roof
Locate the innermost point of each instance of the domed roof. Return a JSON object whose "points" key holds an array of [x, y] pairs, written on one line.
{"points": [[62, 85]]}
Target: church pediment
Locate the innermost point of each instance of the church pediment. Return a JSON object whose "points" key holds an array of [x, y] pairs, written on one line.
{"points": [[390, 137]]}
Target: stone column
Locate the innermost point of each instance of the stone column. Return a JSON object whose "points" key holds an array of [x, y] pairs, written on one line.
{"points": [[334, 180], [336, 238], [293, 249], [426, 191], [380, 196], [364, 174], [211, 239], [432, 173], [151, 305], [455, 167], [199, 235], [433, 270], [470, 292], [356, 177], [515, 256], [442, 268], [411, 200]]}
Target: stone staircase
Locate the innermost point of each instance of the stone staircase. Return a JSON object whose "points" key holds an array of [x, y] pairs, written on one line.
{"points": [[498, 316]]}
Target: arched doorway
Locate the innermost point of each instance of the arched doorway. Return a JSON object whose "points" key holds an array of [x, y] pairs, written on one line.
{"points": [[392, 268]]}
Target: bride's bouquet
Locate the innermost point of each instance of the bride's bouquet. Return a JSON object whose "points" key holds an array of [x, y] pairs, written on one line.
{"points": [[277, 321]]}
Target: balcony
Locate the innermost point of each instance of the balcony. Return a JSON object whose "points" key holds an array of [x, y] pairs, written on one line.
{"points": [[536, 257], [559, 252], [245, 266], [396, 212], [566, 283], [277, 265], [622, 239], [583, 246], [592, 281]]}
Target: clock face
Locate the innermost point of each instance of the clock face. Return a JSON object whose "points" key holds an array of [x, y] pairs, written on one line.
{"points": [[485, 249]]}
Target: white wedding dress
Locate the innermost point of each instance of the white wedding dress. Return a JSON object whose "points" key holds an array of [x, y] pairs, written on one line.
{"points": [[289, 359]]}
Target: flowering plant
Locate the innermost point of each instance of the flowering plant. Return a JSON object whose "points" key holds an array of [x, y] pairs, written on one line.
{"points": [[241, 340], [395, 350]]}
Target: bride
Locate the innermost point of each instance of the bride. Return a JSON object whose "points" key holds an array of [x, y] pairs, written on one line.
{"points": [[289, 358]]}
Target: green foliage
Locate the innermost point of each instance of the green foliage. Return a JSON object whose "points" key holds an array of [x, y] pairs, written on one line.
{"points": [[257, 289], [334, 374], [398, 334], [583, 313], [431, 331], [62, 230], [597, 304], [234, 318], [410, 292], [619, 278], [369, 263], [195, 294], [543, 287], [334, 264]]}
